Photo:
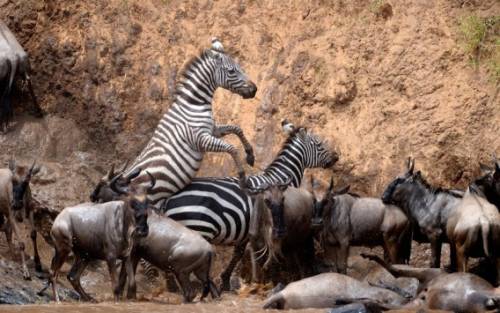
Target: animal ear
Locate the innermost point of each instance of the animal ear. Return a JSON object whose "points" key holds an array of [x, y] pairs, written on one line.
{"points": [[485, 169], [32, 171], [12, 165], [288, 127], [343, 190], [111, 172], [217, 45]]}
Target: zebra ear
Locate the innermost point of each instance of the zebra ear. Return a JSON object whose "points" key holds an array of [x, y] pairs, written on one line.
{"points": [[217, 45], [287, 126]]}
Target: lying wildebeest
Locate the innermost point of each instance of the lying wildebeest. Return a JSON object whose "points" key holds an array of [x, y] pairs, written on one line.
{"points": [[172, 247], [457, 292], [100, 231], [428, 208], [349, 220], [473, 230], [489, 182], [15, 197], [331, 289], [13, 61]]}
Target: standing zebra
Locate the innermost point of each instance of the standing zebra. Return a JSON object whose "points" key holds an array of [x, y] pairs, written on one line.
{"points": [[187, 130], [222, 212]]}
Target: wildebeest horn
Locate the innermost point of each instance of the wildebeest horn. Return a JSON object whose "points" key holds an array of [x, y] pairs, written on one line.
{"points": [[32, 171], [410, 165], [330, 187], [124, 166], [111, 172], [12, 165], [284, 185], [117, 189], [133, 175], [153, 182]]}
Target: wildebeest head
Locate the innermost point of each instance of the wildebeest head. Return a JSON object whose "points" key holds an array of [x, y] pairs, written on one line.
{"points": [[228, 73], [21, 189], [397, 190], [490, 179], [317, 216], [136, 200], [327, 203], [102, 191], [318, 154]]}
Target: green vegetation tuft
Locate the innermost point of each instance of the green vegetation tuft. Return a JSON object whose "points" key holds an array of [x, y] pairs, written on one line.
{"points": [[480, 39]]}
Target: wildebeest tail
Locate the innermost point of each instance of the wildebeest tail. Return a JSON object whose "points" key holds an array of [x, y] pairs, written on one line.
{"points": [[276, 301]]}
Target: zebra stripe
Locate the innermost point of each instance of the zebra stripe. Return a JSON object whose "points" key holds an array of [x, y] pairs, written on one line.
{"points": [[220, 210], [174, 153]]}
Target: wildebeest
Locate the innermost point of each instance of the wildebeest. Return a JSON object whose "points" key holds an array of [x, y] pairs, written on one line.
{"points": [[428, 208], [350, 220], [172, 247], [15, 196], [331, 289], [473, 230], [292, 247], [438, 290], [489, 182], [100, 231], [13, 61]]}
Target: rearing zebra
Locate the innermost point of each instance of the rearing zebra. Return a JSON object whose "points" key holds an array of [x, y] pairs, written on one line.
{"points": [[222, 212], [187, 130]]}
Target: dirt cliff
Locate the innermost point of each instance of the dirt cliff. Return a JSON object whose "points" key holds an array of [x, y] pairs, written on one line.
{"points": [[381, 80]]}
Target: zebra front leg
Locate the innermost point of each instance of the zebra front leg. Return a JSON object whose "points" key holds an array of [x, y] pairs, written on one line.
{"points": [[223, 130], [225, 277], [208, 143]]}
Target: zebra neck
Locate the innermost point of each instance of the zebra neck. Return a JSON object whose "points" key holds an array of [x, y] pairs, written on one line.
{"points": [[288, 164]]}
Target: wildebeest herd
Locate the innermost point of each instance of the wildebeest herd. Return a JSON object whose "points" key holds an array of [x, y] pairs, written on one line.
{"points": [[155, 212]]}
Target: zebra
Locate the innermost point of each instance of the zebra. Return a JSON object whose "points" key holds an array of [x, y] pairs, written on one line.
{"points": [[187, 130], [221, 211]]}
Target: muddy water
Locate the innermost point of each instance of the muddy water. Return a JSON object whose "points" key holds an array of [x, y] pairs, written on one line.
{"points": [[228, 304]]}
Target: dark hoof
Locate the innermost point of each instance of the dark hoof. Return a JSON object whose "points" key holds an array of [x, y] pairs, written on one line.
{"points": [[225, 285], [250, 158]]}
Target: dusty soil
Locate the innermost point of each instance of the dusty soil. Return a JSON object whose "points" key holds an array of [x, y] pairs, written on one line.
{"points": [[379, 82]]}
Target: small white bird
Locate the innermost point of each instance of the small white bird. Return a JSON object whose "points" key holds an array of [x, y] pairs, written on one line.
{"points": [[217, 45]]}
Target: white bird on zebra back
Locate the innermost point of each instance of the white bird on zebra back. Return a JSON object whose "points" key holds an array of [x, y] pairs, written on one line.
{"points": [[187, 130]]}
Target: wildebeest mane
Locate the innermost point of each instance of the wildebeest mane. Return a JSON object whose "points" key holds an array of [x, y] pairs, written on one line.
{"points": [[435, 190]]}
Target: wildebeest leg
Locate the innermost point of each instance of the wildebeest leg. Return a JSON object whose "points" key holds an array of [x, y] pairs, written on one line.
{"points": [[38, 264], [111, 261], [131, 267], [453, 258], [238, 253], [461, 258], [331, 256], [342, 255], [37, 110], [57, 262], [74, 275], [203, 274], [26, 273], [187, 291], [435, 250]]}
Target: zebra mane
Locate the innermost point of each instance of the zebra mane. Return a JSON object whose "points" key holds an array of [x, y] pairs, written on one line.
{"points": [[193, 60], [291, 136]]}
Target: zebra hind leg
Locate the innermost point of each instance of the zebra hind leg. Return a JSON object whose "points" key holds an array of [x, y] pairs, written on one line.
{"points": [[238, 253]]}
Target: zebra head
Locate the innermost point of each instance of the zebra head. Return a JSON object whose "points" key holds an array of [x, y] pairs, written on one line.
{"points": [[316, 151], [228, 74]]}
